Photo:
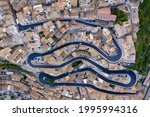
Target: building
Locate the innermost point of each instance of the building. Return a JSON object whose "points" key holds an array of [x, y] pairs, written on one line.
{"points": [[18, 54], [107, 34], [105, 14], [134, 13], [124, 29], [129, 52]]}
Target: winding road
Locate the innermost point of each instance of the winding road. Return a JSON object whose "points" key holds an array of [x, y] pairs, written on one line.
{"points": [[83, 21], [96, 70], [99, 68]]}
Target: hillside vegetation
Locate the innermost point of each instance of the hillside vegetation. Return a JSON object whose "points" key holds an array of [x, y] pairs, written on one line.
{"points": [[143, 41]]}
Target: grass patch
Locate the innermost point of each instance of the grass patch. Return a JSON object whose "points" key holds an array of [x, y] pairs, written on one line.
{"points": [[121, 16], [51, 81], [76, 63], [7, 65], [112, 86]]}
